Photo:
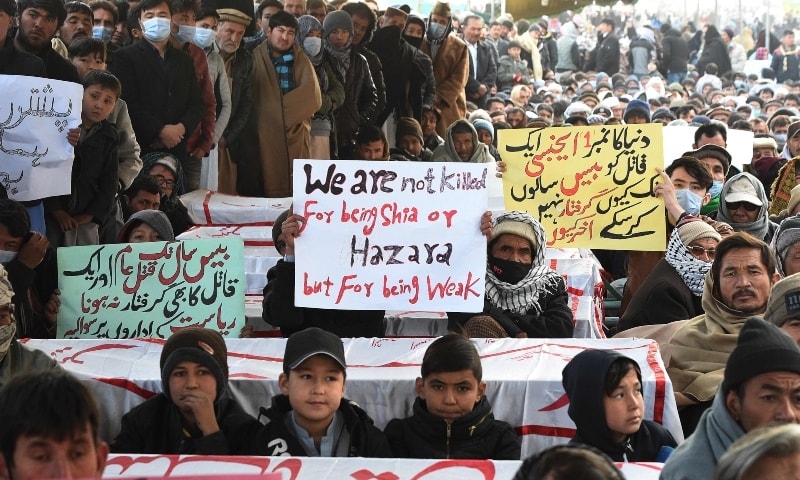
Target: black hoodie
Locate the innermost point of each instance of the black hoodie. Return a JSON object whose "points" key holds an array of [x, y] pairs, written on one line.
{"points": [[584, 382]]}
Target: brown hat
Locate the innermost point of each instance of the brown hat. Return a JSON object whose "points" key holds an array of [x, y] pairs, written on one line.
{"points": [[200, 345], [712, 151], [441, 9], [408, 126], [394, 12], [233, 15], [794, 128], [765, 142]]}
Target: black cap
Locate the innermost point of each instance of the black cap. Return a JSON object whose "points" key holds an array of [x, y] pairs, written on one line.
{"points": [[761, 348], [309, 342]]}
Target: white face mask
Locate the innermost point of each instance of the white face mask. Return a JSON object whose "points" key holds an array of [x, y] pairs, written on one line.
{"points": [[312, 46], [6, 256], [6, 335], [102, 33], [204, 37], [157, 29], [185, 33]]}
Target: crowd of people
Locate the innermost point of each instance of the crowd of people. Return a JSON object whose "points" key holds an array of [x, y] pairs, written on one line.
{"points": [[182, 94]]}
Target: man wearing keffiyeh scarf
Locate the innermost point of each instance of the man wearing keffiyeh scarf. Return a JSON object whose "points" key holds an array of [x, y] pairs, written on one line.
{"points": [[673, 289], [524, 298]]}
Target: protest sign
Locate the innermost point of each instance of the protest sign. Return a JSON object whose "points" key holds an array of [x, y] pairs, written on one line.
{"points": [[388, 236], [588, 186], [151, 289], [35, 116]]}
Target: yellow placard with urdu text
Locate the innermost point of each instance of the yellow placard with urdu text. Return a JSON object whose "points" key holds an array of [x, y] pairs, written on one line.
{"points": [[590, 187]]}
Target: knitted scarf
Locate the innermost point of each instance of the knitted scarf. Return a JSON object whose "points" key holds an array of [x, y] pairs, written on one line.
{"points": [[340, 56], [523, 296], [692, 271], [284, 68]]}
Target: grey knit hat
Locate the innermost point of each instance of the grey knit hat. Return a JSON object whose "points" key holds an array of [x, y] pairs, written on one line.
{"points": [[155, 218], [784, 300], [337, 19]]}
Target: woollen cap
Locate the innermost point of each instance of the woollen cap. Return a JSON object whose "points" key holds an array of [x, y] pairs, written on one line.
{"points": [[784, 301], [276, 227], [408, 126], [157, 219], [481, 124], [200, 345], [337, 19], [788, 234], [637, 106], [520, 229], [690, 231], [442, 9], [761, 348]]}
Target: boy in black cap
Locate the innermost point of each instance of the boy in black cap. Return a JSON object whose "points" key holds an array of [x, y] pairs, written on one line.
{"points": [[194, 414], [311, 417]]}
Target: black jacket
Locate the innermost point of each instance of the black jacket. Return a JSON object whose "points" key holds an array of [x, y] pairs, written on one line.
{"points": [[32, 289], [608, 54], [714, 51], [16, 62], [584, 382], [662, 298], [58, 68], [158, 92], [279, 310], [675, 52], [476, 435], [277, 438], [361, 101], [241, 97], [94, 175], [155, 427]]}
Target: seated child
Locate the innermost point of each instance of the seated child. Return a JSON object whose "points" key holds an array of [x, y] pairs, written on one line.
{"points": [[194, 414], [48, 428], [311, 417], [147, 226], [607, 379], [452, 417], [74, 219]]}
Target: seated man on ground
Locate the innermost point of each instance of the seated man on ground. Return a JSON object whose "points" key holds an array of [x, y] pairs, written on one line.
{"points": [[760, 387], [524, 298], [736, 288], [461, 144]]}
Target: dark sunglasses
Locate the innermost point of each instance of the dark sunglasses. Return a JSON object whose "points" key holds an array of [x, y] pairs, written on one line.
{"points": [[697, 251], [747, 206]]}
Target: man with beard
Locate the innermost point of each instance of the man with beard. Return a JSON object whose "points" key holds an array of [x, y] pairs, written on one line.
{"points": [[78, 23], [737, 288], [238, 67], [451, 66], [287, 94], [14, 61], [38, 22], [402, 69]]}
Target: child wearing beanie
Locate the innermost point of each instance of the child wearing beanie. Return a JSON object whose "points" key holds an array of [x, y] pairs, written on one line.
{"points": [[194, 414]]}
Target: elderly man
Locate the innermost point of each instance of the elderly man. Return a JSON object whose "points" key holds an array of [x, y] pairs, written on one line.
{"points": [[737, 288], [743, 204], [760, 388], [482, 62], [238, 67], [524, 298]]}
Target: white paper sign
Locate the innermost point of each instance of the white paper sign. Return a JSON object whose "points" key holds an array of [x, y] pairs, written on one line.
{"points": [[35, 115], [390, 235], [679, 140]]}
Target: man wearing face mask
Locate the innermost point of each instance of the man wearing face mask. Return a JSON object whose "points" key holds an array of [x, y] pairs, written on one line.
{"points": [[201, 140], [524, 298], [450, 66], [15, 358], [31, 267], [160, 85], [401, 70]]}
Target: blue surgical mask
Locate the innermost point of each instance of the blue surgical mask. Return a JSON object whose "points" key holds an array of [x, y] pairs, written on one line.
{"points": [[312, 46], [102, 33], [6, 257], [157, 29], [690, 201], [185, 33], [436, 30], [716, 188], [204, 37], [780, 137], [756, 112]]}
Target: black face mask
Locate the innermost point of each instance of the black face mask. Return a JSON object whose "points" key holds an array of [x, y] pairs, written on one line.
{"points": [[415, 42], [508, 271], [387, 35]]}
